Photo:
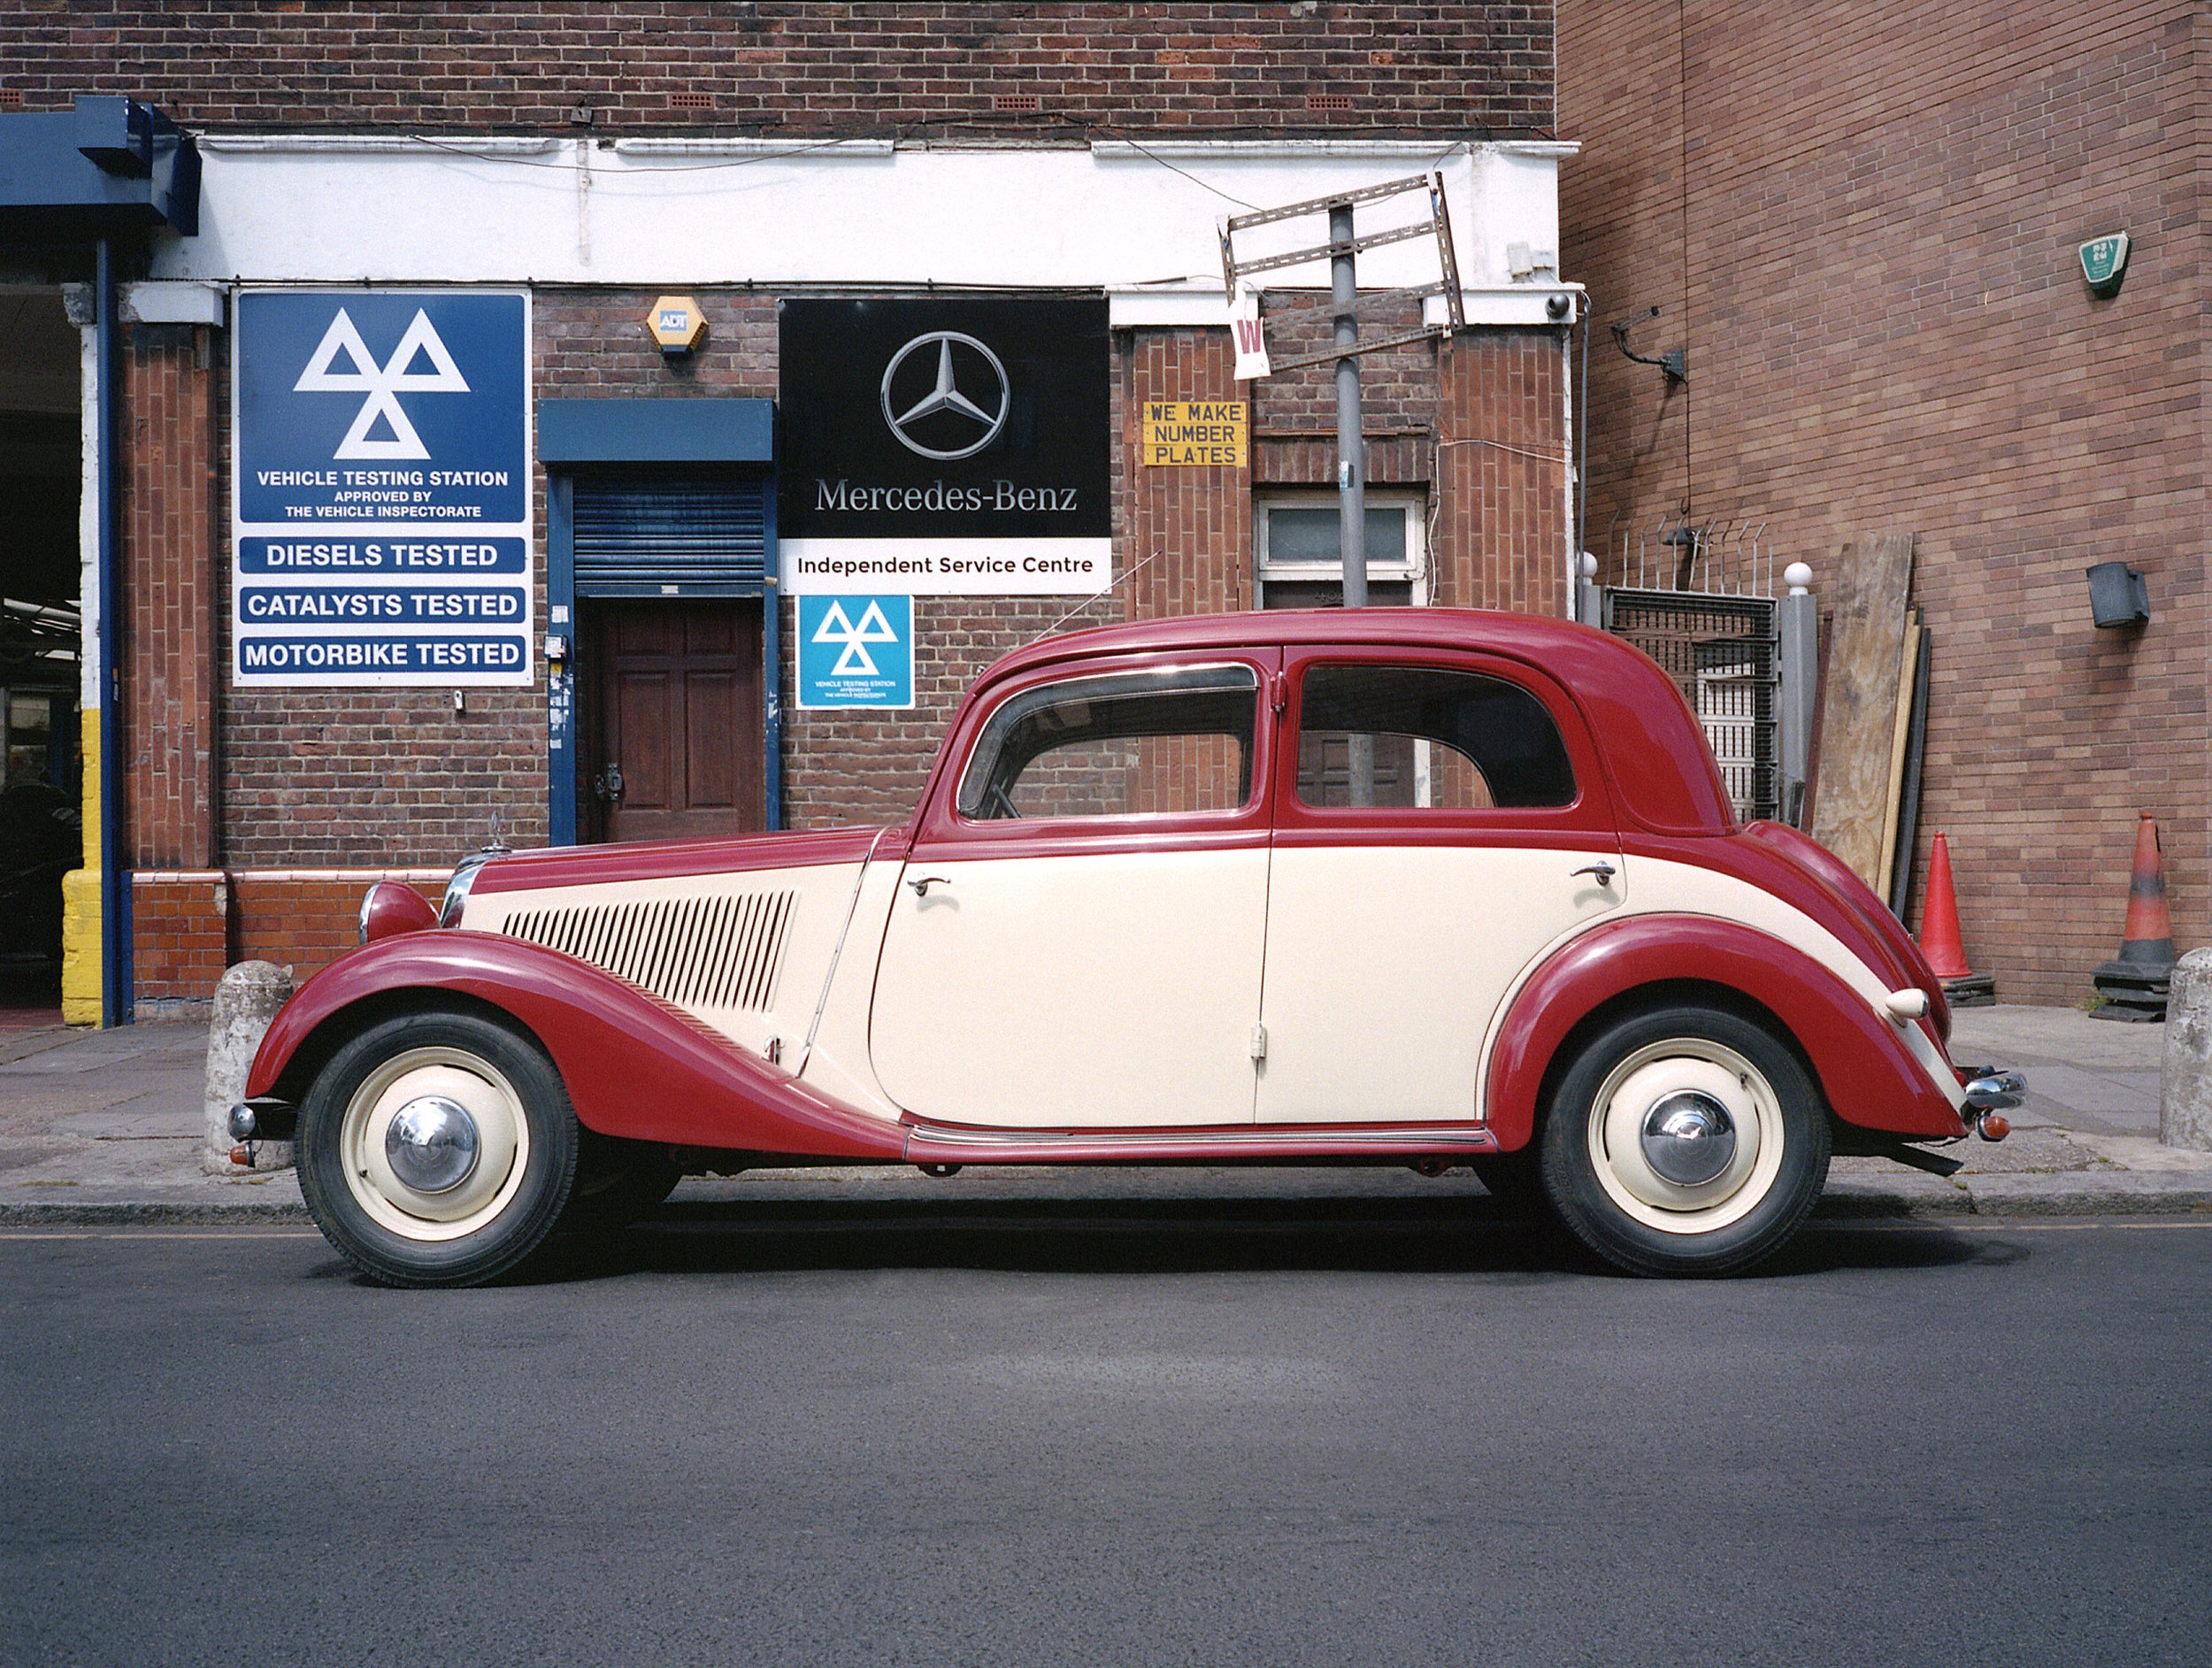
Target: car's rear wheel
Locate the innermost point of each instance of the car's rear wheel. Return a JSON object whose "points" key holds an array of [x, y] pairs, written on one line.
{"points": [[437, 1149], [1684, 1141]]}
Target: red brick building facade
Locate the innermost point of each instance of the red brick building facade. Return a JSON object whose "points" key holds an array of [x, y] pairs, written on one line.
{"points": [[1860, 223], [254, 816]]}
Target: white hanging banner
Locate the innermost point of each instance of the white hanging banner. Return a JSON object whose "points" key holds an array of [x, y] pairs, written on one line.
{"points": [[1245, 330]]}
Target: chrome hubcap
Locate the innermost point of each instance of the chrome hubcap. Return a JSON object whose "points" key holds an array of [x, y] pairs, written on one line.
{"points": [[432, 1144], [1688, 1137]]}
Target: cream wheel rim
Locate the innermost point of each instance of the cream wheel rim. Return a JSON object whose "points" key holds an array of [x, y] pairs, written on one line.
{"points": [[1674, 1069], [503, 1143]]}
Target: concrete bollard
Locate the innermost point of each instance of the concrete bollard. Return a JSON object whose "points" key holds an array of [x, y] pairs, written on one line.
{"points": [[245, 1002], [2184, 1090]]}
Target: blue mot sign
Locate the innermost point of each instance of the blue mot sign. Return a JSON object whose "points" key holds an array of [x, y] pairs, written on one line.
{"points": [[382, 529]]}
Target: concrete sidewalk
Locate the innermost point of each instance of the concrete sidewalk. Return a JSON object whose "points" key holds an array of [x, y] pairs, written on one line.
{"points": [[105, 1126]]}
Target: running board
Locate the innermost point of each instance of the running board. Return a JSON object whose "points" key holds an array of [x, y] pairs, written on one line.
{"points": [[1274, 1143]]}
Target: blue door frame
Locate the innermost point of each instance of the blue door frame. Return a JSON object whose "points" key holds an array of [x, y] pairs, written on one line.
{"points": [[575, 434]]}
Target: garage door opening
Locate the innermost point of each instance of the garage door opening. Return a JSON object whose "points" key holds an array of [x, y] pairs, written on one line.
{"points": [[41, 644]]}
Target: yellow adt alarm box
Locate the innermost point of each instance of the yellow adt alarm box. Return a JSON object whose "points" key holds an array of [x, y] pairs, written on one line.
{"points": [[677, 324]]}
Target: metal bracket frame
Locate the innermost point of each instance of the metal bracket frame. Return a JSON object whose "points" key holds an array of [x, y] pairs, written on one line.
{"points": [[1437, 225]]}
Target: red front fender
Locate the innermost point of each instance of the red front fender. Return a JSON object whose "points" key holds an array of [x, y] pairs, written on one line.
{"points": [[635, 1066], [1859, 1058]]}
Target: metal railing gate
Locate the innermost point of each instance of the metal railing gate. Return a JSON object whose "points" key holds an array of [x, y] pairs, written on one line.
{"points": [[1722, 652]]}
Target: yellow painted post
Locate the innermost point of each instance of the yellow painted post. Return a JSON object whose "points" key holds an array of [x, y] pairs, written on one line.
{"points": [[81, 984]]}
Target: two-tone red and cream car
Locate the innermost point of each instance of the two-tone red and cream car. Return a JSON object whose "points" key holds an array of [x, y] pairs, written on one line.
{"points": [[1392, 886]]}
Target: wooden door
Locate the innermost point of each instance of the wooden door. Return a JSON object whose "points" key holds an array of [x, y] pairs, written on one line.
{"points": [[677, 727]]}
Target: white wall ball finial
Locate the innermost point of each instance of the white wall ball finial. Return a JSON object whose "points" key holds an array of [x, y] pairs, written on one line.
{"points": [[1798, 577]]}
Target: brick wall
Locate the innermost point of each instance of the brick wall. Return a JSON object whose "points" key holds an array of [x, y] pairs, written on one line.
{"points": [[1503, 532], [306, 921], [908, 70], [188, 926], [1191, 529], [180, 937], [169, 597], [374, 779], [1865, 240]]}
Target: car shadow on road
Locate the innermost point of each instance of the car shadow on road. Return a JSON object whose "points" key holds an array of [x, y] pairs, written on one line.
{"points": [[1182, 1236]]}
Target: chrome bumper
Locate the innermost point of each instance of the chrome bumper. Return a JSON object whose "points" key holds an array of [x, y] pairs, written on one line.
{"points": [[1988, 1091], [1990, 1095]]}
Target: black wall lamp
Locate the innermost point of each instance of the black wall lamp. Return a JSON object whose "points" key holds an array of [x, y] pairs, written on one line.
{"points": [[2119, 596], [1671, 362]]}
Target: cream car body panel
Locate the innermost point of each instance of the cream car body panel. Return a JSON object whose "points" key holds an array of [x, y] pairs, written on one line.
{"points": [[1099, 990], [1657, 887], [1384, 964], [836, 1060], [745, 953]]}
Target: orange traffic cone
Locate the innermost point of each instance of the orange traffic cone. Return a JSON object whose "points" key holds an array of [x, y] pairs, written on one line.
{"points": [[1962, 988], [2133, 983]]}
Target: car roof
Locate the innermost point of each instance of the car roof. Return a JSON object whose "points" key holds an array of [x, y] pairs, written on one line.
{"points": [[1443, 628], [1654, 747]]}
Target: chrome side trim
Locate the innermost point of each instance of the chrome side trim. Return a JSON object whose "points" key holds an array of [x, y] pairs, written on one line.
{"points": [[1267, 1135], [837, 954]]}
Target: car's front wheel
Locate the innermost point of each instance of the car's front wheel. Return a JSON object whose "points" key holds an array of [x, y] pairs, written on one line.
{"points": [[437, 1149], [1684, 1141]]}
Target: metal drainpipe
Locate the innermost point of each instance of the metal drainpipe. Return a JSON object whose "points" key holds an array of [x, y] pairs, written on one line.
{"points": [[115, 980], [1582, 447]]}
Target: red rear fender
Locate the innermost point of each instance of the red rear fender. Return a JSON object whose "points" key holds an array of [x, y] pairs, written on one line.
{"points": [[635, 1066], [1862, 1064]]}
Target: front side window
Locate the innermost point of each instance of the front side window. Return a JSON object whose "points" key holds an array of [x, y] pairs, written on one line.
{"points": [[1426, 737], [1123, 744]]}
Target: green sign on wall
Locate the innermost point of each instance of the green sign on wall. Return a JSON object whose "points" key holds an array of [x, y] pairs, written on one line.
{"points": [[2104, 262]]}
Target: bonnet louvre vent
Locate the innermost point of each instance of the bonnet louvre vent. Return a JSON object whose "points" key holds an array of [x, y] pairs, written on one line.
{"points": [[720, 951]]}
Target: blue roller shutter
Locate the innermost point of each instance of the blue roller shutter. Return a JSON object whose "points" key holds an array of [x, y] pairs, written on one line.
{"points": [[670, 533]]}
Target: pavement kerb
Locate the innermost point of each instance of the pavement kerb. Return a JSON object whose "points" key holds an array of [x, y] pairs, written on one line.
{"points": [[2074, 1194]]}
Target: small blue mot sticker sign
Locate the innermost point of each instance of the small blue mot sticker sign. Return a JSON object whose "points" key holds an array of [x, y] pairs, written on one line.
{"points": [[856, 651], [381, 524]]}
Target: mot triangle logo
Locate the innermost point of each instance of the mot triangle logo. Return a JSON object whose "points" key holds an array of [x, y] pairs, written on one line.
{"points": [[837, 627], [419, 365]]}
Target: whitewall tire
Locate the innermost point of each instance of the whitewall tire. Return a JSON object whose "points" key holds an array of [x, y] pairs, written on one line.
{"points": [[437, 1149], [1684, 1141]]}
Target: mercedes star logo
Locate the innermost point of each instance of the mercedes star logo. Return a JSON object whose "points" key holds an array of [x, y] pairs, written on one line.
{"points": [[955, 424]]}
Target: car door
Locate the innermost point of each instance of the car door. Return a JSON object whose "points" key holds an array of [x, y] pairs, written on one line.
{"points": [[1077, 939], [1440, 818]]}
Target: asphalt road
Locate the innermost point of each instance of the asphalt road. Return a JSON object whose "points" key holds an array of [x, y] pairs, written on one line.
{"points": [[1328, 1429]]}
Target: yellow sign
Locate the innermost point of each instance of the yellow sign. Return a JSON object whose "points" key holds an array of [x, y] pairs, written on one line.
{"points": [[677, 324], [1196, 434]]}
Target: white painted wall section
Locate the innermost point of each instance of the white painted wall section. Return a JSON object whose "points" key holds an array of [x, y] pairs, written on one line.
{"points": [[1138, 221]]}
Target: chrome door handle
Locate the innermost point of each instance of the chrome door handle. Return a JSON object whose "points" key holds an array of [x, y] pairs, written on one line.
{"points": [[1603, 870], [921, 887]]}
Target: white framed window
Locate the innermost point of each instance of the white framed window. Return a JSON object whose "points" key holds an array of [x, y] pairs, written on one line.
{"points": [[1300, 563]]}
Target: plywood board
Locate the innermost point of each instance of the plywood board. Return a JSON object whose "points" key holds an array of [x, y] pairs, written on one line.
{"points": [[1893, 797], [1865, 594]]}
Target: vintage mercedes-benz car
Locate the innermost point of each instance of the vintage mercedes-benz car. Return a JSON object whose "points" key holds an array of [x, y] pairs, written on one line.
{"points": [[1387, 886]]}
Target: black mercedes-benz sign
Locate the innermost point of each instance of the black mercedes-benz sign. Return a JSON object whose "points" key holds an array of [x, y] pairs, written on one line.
{"points": [[954, 418]]}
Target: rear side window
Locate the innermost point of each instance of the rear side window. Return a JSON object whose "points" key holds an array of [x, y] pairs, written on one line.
{"points": [[1428, 738], [1126, 744]]}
